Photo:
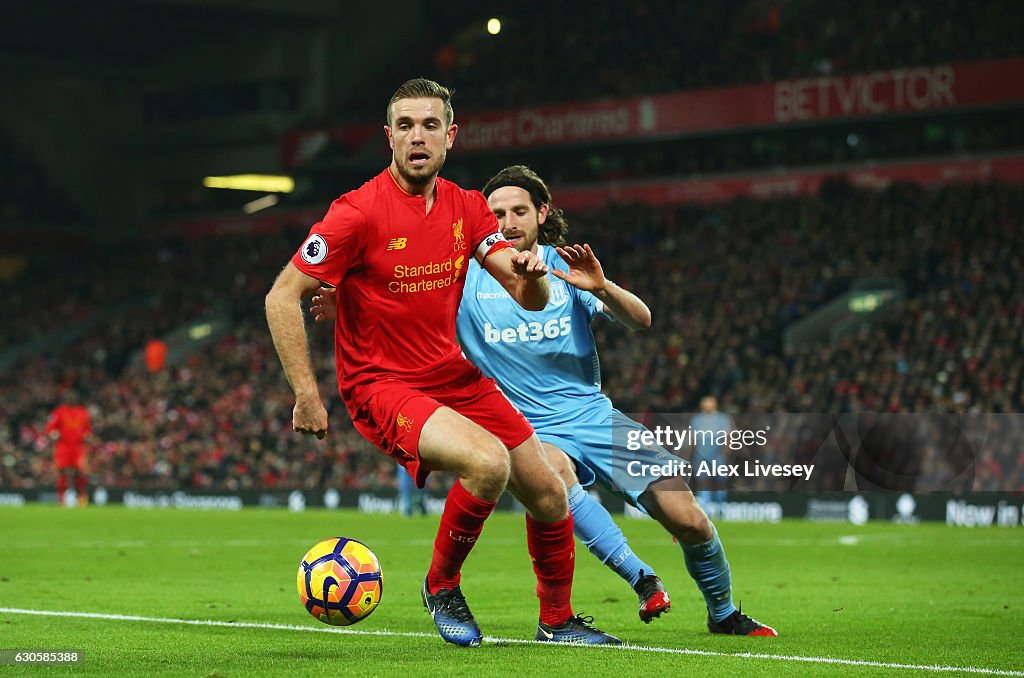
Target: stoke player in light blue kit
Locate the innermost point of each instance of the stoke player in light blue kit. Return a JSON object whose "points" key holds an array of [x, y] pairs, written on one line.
{"points": [[546, 362], [410, 497], [714, 425]]}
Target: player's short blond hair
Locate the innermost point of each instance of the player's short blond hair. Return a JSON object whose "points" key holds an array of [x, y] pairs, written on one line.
{"points": [[422, 88]]}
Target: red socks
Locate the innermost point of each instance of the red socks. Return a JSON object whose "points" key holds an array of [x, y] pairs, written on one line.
{"points": [[551, 547], [553, 552], [80, 485], [461, 523]]}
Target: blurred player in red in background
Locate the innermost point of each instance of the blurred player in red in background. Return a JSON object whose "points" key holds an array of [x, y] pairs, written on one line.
{"points": [[70, 427], [397, 249]]}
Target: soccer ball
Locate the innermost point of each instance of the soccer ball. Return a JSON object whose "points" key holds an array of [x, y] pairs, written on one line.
{"points": [[340, 581]]}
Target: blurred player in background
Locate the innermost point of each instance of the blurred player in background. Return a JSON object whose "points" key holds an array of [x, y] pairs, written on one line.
{"points": [[397, 250], [712, 424], [410, 497], [70, 428], [547, 364]]}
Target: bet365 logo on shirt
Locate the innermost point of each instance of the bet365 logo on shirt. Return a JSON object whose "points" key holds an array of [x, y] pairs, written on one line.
{"points": [[532, 331]]}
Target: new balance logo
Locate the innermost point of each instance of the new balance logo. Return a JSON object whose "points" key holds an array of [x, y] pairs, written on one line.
{"points": [[397, 244]]}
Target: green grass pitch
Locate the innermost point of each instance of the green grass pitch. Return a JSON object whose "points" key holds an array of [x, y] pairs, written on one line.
{"points": [[888, 595]]}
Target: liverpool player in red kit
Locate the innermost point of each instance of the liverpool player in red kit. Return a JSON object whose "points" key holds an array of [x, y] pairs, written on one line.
{"points": [[69, 426], [397, 250]]}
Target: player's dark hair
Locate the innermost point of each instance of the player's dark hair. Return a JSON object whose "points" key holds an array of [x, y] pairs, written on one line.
{"points": [[421, 88], [555, 229]]}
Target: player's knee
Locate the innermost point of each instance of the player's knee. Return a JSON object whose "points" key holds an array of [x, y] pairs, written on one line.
{"points": [[564, 468], [491, 465], [681, 515], [698, 525], [693, 525], [567, 476], [549, 501]]}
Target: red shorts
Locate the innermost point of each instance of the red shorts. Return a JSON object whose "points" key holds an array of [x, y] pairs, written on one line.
{"points": [[393, 417], [68, 456]]}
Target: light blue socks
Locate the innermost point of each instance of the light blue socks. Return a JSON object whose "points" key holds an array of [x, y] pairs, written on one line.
{"points": [[707, 565], [603, 538]]}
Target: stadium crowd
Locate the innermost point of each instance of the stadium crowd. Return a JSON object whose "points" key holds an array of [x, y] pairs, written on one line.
{"points": [[841, 144], [657, 48], [723, 281], [650, 49], [740, 42]]}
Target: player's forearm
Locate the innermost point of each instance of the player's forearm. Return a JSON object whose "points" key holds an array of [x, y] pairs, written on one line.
{"points": [[628, 309], [522, 275], [284, 317], [532, 293]]}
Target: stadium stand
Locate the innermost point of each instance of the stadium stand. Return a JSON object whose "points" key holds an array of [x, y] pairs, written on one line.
{"points": [[655, 49], [723, 282]]}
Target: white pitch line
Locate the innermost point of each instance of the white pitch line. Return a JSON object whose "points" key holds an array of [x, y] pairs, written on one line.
{"points": [[217, 543], [624, 647]]}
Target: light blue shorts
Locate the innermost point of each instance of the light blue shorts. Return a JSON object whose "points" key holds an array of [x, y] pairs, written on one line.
{"points": [[599, 441]]}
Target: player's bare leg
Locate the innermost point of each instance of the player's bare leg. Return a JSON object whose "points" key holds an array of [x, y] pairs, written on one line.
{"points": [[451, 442], [562, 464], [549, 529], [604, 539], [536, 484], [670, 502]]}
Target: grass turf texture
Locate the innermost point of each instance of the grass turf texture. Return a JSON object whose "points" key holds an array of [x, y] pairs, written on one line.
{"points": [[925, 594]]}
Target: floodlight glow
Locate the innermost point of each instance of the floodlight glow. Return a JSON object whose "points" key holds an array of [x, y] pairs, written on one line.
{"points": [[200, 331], [494, 26], [267, 183], [260, 203]]}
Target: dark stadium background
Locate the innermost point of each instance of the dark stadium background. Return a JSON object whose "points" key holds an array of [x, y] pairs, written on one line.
{"points": [[743, 165]]}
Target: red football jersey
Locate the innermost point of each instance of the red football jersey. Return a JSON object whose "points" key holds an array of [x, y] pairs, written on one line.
{"points": [[72, 422], [399, 274]]}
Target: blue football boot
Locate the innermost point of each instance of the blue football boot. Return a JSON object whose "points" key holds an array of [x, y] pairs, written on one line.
{"points": [[451, 616], [575, 631]]}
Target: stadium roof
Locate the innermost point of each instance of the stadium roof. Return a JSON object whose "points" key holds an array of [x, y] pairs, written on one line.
{"points": [[99, 38]]}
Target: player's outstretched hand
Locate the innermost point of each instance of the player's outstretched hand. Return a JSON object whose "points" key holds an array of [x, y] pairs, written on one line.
{"points": [[585, 271], [309, 417], [528, 265], [324, 305]]}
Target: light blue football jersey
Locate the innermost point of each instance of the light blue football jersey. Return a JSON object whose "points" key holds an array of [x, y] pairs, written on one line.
{"points": [[545, 361]]}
